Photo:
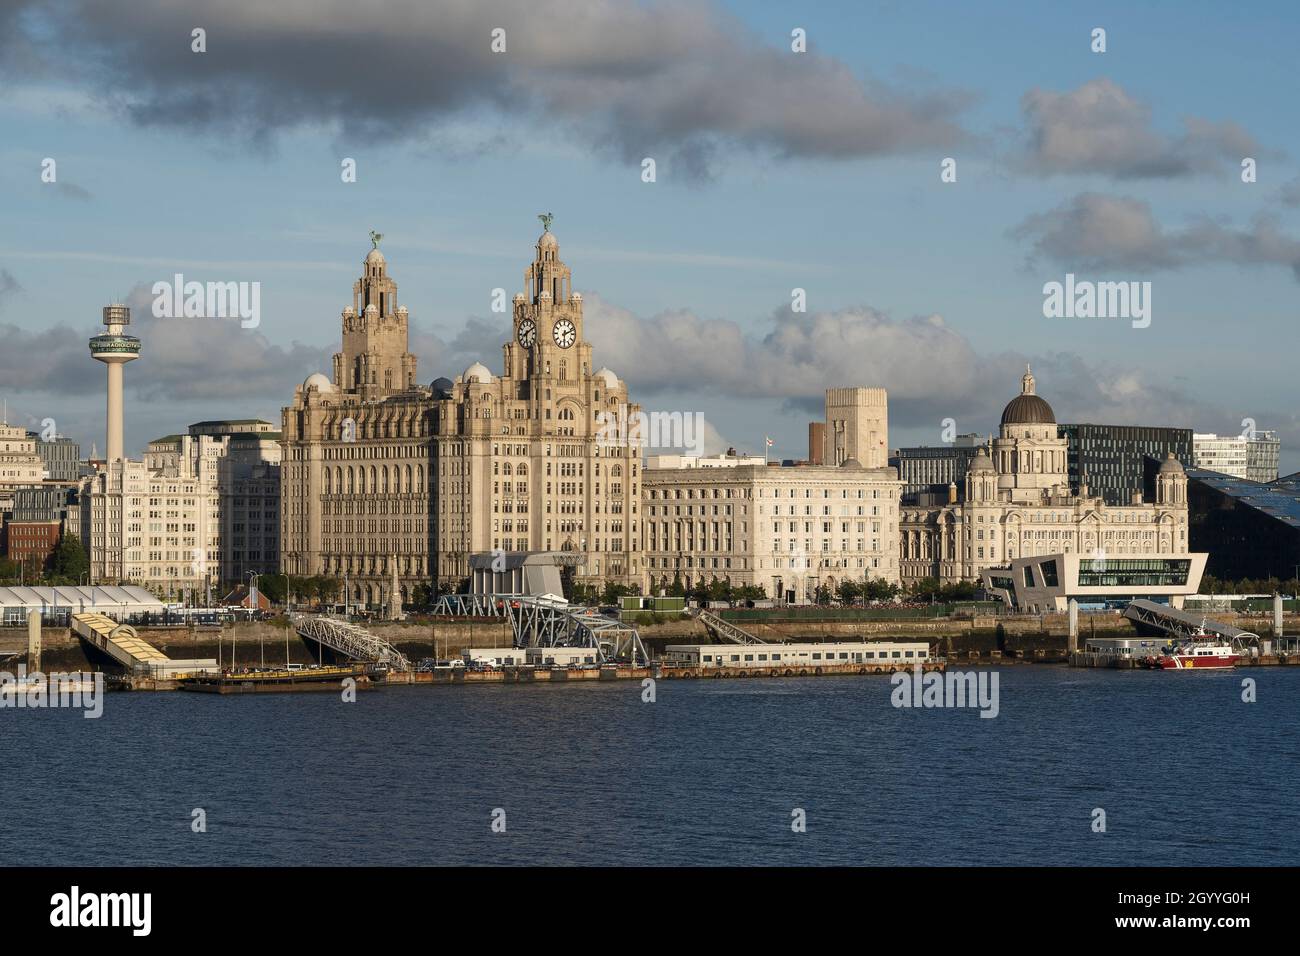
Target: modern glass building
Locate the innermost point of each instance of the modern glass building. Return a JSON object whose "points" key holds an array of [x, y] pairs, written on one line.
{"points": [[1109, 457], [931, 469], [1047, 582], [61, 456], [1254, 455], [1251, 529]]}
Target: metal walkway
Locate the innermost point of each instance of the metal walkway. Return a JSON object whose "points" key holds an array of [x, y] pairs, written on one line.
{"points": [[471, 605], [1168, 620], [545, 622], [119, 641], [351, 640], [725, 631]]}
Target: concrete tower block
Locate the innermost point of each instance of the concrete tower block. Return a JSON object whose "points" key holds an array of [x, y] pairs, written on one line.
{"points": [[857, 426]]}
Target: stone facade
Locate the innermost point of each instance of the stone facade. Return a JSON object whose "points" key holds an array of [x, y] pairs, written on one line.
{"points": [[382, 473], [1018, 502], [357, 464], [20, 465], [522, 464], [198, 512], [785, 529]]}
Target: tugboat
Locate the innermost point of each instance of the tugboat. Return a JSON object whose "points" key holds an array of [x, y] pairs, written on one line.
{"points": [[1201, 650]]}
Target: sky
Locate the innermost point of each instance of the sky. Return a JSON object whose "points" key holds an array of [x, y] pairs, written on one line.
{"points": [[775, 170]]}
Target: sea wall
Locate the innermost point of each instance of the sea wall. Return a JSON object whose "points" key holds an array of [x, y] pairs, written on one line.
{"points": [[1037, 637]]}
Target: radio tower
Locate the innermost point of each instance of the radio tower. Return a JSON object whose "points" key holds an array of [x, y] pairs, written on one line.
{"points": [[114, 347]]}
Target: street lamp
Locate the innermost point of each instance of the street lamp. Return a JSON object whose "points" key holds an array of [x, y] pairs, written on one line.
{"points": [[252, 611]]}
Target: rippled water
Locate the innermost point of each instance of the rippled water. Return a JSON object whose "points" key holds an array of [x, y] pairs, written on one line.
{"points": [[709, 774]]}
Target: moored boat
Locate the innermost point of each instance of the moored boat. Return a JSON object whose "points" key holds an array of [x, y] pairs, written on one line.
{"points": [[1200, 651]]}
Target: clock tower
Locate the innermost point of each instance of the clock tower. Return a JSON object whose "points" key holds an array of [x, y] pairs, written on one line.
{"points": [[526, 461], [547, 343]]}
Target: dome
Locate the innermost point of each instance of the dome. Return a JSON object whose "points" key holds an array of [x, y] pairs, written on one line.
{"points": [[375, 257], [851, 463], [981, 461], [442, 387], [611, 380], [477, 373], [1027, 408], [547, 240], [1171, 466], [318, 381]]}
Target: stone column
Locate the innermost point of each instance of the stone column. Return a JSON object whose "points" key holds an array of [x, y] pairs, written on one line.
{"points": [[33, 641], [1073, 645]]}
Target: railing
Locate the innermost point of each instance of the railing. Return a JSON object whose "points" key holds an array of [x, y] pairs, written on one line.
{"points": [[545, 622], [351, 640], [726, 631]]}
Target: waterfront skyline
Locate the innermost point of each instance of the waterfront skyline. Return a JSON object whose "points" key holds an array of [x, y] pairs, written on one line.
{"points": [[916, 285]]}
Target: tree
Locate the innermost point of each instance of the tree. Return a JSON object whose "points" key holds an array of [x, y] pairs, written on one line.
{"points": [[69, 559], [274, 586], [849, 591]]}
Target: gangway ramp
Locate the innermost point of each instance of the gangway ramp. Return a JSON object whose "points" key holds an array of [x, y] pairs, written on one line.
{"points": [[351, 640], [725, 631], [119, 641], [553, 622], [1169, 620]]}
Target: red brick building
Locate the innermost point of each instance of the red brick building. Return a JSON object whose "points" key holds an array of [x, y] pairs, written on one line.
{"points": [[32, 542]]}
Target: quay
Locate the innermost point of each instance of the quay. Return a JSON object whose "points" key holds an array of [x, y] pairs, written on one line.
{"points": [[659, 671], [330, 678], [279, 681]]}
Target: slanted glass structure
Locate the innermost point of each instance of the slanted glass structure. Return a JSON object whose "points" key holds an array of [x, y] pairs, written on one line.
{"points": [[1251, 529]]}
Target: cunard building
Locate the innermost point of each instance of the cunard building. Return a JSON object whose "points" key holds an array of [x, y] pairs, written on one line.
{"points": [[387, 480]]}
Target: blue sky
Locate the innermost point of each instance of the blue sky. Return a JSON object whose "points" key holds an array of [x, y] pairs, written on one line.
{"points": [[945, 277]]}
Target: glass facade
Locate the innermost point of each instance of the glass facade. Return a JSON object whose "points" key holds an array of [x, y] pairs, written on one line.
{"points": [[931, 469], [1110, 457], [1050, 576], [1133, 572], [1251, 530]]}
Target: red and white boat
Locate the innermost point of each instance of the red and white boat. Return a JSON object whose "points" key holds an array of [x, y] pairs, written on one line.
{"points": [[1200, 651]]}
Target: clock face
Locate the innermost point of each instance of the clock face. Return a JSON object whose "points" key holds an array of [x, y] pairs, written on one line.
{"points": [[565, 334], [527, 333]]}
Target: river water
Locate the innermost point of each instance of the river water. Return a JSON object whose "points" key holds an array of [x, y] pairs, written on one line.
{"points": [[711, 772]]}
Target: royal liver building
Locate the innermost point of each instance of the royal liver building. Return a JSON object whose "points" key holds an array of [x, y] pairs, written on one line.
{"points": [[385, 480]]}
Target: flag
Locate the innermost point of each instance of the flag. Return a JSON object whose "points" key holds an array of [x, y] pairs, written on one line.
{"points": [[768, 440]]}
